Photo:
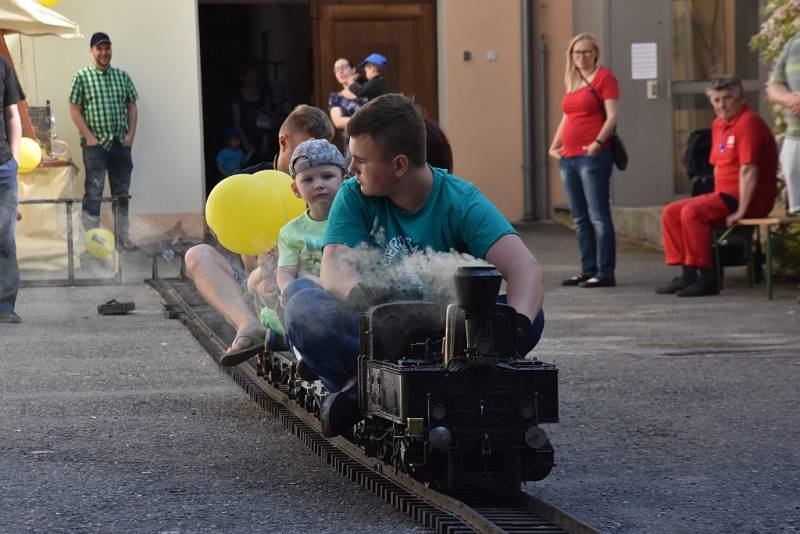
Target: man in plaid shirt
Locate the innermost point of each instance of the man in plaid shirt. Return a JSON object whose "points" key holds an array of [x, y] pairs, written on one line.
{"points": [[102, 104]]}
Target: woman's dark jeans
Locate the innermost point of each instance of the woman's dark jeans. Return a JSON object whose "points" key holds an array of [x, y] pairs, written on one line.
{"points": [[587, 184]]}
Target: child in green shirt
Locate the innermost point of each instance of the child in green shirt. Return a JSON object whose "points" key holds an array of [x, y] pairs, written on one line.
{"points": [[317, 168]]}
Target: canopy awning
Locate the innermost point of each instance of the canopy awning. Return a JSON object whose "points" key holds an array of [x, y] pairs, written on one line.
{"points": [[29, 17]]}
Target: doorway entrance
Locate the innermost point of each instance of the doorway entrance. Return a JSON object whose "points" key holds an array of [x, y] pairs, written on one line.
{"points": [[268, 43], [293, 44]]}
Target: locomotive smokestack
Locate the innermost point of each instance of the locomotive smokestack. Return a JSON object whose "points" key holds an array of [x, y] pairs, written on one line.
{"points": [[477, 287], [476, 293]]}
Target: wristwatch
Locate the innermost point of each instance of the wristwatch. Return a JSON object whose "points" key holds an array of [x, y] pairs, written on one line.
{"points": [[599, 142]]}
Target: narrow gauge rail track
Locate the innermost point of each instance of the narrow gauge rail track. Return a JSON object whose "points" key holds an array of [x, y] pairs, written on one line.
{"points": [[442, 513]]}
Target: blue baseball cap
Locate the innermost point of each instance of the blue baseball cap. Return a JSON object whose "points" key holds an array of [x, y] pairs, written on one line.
{"points": [[378, 59]]}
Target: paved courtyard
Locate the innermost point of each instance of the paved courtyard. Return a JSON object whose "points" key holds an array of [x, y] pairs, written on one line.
{"points": [[677, 415]]}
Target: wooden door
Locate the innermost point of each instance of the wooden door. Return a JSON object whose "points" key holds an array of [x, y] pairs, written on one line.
{"points": [[404, 32]]}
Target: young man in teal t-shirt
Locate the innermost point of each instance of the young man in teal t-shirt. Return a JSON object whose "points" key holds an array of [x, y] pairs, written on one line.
{"points": [[399, 205]]}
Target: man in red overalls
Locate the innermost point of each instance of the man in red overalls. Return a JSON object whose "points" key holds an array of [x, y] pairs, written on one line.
{"points": [[745, 159]]}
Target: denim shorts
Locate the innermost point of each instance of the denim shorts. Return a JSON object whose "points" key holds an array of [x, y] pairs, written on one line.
{"points": [[238, 274]]}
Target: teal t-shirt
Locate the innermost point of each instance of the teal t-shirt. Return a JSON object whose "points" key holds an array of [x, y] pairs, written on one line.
{"points": [[456, 216], [301, 240]]}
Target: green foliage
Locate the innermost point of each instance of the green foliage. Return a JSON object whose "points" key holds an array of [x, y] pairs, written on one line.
{"points": [[781, 22], [781, 18]]}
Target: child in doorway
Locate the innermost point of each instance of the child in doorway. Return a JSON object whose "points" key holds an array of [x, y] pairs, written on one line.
{"points": [[317, 168], [231, 158]]}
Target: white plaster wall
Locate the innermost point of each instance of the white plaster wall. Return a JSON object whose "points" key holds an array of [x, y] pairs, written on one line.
{"points": [[156, 42]]}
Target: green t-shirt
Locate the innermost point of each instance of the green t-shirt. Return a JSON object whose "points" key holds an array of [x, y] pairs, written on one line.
{"points": [[456, 216], [787, 72], [301, 240]]}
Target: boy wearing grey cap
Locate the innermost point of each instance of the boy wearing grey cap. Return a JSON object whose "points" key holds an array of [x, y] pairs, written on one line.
{"points": [[317, 168]]}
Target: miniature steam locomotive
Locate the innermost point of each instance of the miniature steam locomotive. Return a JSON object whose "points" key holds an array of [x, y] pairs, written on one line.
{"points": [[445, 395]]}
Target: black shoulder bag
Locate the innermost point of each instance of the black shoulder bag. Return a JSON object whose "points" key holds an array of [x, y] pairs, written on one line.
{"points": [[618, 152]]}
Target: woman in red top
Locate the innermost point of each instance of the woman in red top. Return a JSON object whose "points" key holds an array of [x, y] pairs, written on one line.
{"points": [[581, 146]]}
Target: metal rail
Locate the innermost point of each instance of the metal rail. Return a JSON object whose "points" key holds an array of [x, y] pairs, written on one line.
{"points": [[513, 513]]}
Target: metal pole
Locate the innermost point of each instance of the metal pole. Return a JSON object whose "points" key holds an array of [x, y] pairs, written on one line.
{"points": [[70, 251], [529, 209], [544, 177], [117, 262]]}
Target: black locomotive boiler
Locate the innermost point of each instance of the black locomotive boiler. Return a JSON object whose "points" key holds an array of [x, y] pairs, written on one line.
{"points": [[446, 396]]}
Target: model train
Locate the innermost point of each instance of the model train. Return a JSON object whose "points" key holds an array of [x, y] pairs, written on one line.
{"points": [[446, 396]]}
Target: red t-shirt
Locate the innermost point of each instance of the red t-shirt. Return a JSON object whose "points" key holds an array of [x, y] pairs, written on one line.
{"points": [[745, 139], [585, 117]]}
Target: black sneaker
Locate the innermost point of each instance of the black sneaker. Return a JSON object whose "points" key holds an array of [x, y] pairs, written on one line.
{"points": [[678, 283], [10, 318], [699, 289], [339, 411], [705, 285], [575, 280], [598, 282]]}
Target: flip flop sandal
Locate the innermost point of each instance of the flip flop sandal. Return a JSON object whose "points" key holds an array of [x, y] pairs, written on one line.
{"points": [[257, 338]]}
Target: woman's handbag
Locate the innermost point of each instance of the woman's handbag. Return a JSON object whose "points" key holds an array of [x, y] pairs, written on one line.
{"points": [[618, 152], [617, 147]]}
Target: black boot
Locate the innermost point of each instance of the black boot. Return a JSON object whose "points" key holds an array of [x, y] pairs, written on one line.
{"points": [[688, 277], [339, 411], [705, 285]]}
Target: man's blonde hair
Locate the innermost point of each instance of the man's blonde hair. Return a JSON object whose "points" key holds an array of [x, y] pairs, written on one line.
{"points": [[308, 120]]}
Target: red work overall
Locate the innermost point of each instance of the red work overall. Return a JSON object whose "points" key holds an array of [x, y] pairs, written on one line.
{"points": [[686, 224]]}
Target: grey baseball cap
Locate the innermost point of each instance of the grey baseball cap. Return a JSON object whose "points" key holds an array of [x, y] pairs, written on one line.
{"points": [[316, 153]]}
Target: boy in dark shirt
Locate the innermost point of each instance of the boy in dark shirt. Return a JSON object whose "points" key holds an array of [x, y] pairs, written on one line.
{"points": [[373, 65]]}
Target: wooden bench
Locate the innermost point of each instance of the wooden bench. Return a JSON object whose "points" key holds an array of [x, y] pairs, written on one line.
{"points": [[768, 224]]}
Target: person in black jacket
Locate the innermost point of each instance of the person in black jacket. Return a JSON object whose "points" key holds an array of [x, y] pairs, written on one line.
{"points": [[10, 135], [373, 65]]}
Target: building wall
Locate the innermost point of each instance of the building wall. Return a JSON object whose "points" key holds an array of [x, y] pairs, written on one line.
{"points": [[552, 22], [156, 43], [480, 101]]}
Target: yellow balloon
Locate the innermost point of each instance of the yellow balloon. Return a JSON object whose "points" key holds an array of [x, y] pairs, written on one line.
{"points": [[30, 155], [49, 3], [246, 213], [282, 183], [99, 242]]}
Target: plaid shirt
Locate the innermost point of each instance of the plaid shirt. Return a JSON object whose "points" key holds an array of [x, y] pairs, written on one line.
{"points": [[104, 97]]}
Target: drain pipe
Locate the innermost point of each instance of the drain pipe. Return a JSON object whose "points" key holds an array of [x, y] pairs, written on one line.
{"points": [[528, 180], [543, 190]]}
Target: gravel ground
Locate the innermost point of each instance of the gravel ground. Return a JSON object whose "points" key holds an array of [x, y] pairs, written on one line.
{"points": [[676, 416], [124, 424]]}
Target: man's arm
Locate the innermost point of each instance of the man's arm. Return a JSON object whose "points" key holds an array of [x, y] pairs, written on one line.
{"points": [[76, 114], [370, 89], [748, 178], [338, 271], [523, 274], [133, 117], [13, 128], [781, 95]]}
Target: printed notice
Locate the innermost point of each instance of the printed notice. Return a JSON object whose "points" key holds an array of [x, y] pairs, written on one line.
{"points": [[644, 61]]}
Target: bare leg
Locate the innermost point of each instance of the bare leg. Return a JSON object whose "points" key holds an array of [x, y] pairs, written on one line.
{"points": [[214, 279]]}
